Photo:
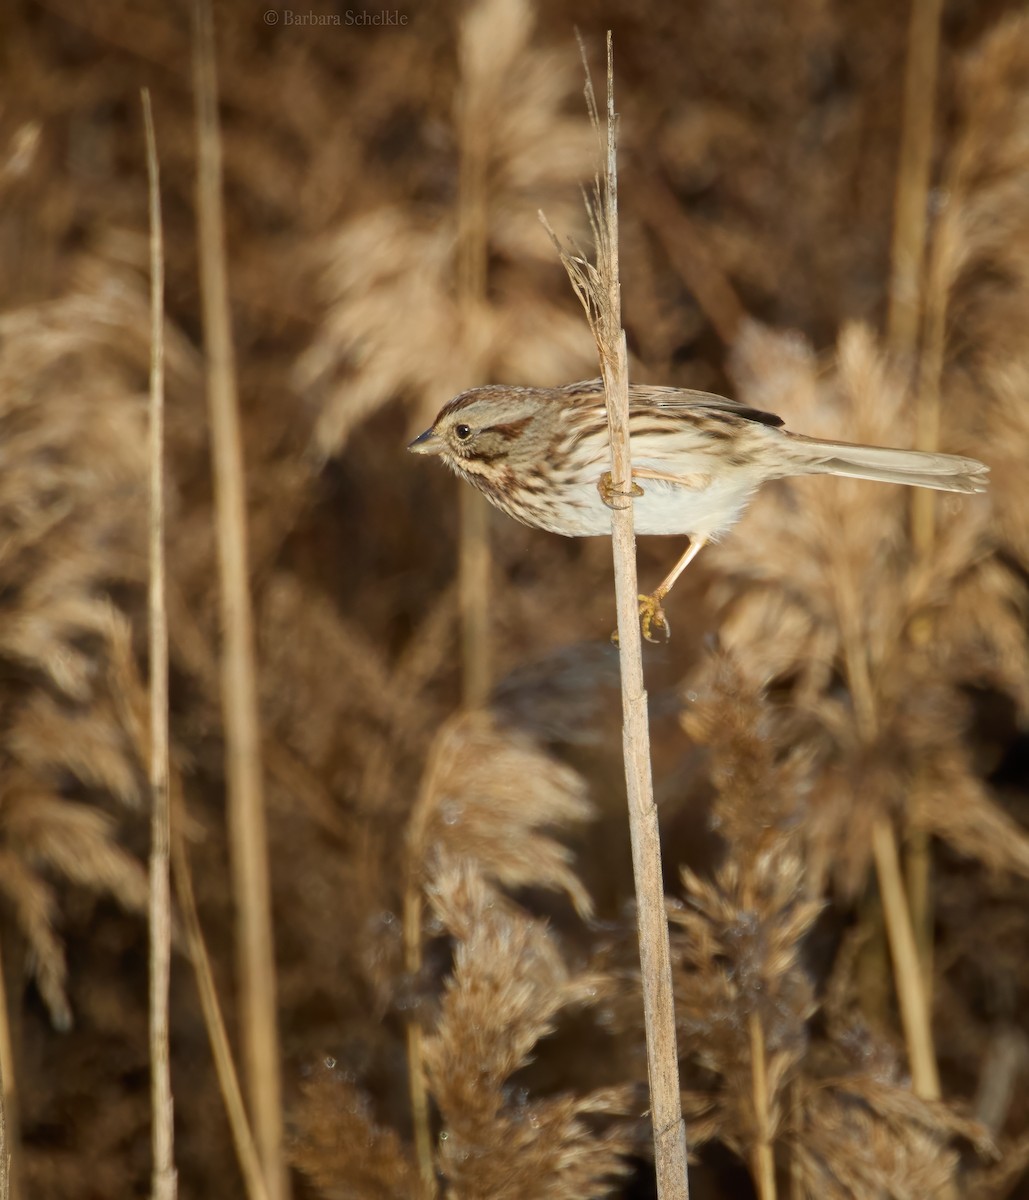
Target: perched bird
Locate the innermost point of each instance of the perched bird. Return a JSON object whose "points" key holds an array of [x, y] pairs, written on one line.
{"points": [[542, 455]]}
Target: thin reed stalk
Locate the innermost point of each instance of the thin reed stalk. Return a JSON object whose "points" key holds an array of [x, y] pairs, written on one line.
{"points": [[474, 561], [918, 858], [474, 567], [10, 1140], [417, 1089], [5, 1158], [915, 302], [415, 1045], [412, 927], [907, 972], [910, 208], [247, 832], [795, 1180], [472, 260], [912, 994], [764, 1159], [221, 1050], [164, 1183], [599, 290]]}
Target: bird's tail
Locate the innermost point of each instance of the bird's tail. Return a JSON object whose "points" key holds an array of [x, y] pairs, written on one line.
{"points": [[915, 468]]}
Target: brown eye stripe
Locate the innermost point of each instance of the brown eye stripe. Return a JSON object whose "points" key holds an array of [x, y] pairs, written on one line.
{"points": [[512, 429]]}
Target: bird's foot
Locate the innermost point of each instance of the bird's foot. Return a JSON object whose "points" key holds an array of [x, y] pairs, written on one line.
{"points": [[652, 617], [611, 493]]}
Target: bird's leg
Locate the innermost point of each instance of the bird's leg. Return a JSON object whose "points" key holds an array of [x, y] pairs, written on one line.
{"points": [[610, 492], [652, 615]]}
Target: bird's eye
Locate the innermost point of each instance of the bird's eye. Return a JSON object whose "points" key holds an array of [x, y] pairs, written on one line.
{"points": [[462, 432]]}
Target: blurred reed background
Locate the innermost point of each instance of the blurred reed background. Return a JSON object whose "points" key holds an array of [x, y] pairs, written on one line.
{"points": [[810, 223]]}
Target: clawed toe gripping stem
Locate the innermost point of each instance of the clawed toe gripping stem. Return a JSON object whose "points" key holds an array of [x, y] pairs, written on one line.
{"points": [[611, 492], [652, 616]]}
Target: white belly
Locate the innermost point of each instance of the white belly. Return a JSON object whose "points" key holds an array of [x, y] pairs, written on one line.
{"points": [[706, 509]]}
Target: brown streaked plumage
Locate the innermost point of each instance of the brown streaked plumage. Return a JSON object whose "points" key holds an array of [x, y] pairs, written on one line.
{"points": [[539, 455]]}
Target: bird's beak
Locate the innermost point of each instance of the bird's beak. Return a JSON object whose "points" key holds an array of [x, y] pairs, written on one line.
{"points": [[426, 443]]}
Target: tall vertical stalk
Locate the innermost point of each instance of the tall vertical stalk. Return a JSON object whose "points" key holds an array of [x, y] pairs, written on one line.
{"points": [[763, 1167], [164, 1185], [474, 565], [10, 1142], [472, 252], [910, 208], [599, 290], [221, 1050], [912, 991], [5, 1158], [909, 315], [247, 831]]}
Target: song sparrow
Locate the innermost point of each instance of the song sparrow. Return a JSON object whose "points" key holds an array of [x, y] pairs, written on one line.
{"points": [[542, 456]]}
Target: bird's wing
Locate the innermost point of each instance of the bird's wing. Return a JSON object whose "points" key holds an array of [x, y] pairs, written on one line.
{"points": [[685, 398]]}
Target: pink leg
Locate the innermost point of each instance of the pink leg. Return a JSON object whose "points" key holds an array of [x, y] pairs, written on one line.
{"points": [[696, 545], [651, 612]]}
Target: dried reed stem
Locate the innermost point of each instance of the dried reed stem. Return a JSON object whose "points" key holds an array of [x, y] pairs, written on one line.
{"points": [[474, 553], [10, 1141], [909, 218], [164, 1183], [413, 964], [911, 296], [1000, 1076], [599, 290], [5, 1158], [228, 1080], [918, 882], [413, 907], [909, 237], [474, 563], [914, 300], [918, 859], [911, 987], [415, 1058], [247, 832], [796, 1177], [907, 972], [764, 1161], [473, 597]]}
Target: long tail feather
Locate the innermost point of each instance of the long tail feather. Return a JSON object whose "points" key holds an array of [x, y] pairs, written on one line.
{"points": [[915, 468]]}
